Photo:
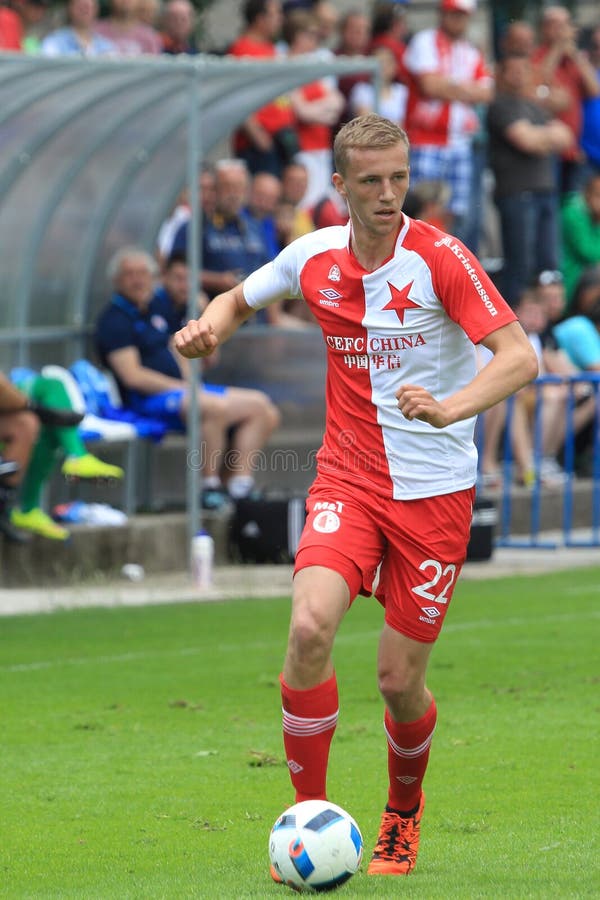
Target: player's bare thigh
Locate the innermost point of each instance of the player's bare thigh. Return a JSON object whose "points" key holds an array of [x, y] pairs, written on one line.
{"points": [[320, 600]]}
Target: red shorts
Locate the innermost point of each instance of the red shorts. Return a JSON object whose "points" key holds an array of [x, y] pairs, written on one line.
{"points": [[416, 549]]}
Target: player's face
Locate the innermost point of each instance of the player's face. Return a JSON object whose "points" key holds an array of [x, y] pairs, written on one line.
{"points": [[374, 187]]}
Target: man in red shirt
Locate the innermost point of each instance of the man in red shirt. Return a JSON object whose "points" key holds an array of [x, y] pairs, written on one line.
{"points": [[562, 64], [400, 305], [448, 80], [267, 140]]}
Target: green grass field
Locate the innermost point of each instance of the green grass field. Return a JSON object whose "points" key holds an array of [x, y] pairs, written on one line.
{"points": [[142, 753]]}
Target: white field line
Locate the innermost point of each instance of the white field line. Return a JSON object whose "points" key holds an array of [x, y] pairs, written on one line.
{"points": [[515, 622]]}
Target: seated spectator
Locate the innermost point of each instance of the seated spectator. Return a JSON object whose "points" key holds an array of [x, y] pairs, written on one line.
{"points": [[329, 210], [265, 193], [553, 399], [79, 37], [178, 28], [133, 338], [549, 290], [38, 450], [428, 201], [580, 218], [19, 429], [17, 19], [284, 223], [493, 441], [170, 299], [181, 212], [579, 334], [124, 29], [232, 246], [391, 101], [294, 183]]}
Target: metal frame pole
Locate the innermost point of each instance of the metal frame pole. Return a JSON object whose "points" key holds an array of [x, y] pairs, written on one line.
{"points": [[194, 430]]}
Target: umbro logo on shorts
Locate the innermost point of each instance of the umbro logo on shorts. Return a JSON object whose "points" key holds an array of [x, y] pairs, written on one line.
{"points": [[431, 614]]}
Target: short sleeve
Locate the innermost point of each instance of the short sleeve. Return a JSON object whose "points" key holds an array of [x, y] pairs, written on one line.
{"points": [[115, 331]]}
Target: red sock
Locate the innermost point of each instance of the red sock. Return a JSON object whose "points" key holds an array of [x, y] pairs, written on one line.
{"points": [[408, 754], [309, 720]]}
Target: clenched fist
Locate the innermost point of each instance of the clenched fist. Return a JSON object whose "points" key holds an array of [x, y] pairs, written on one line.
{"points": [[196, 339]]}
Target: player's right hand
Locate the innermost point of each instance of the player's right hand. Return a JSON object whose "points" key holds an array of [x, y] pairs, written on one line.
{"points": [[196, 339]]}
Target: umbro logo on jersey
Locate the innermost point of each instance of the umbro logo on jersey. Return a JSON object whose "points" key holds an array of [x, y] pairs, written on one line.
{"points": [[330, 294], [330, 297], [334, 273]]}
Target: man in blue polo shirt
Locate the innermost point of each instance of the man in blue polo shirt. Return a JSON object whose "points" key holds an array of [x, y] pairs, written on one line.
{"points": [[133, 339], [233, 245]]}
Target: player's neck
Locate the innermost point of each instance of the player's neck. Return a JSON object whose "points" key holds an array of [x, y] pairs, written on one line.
{"points": [[372, 251]]}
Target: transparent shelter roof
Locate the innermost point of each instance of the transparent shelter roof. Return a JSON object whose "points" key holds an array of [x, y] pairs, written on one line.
{"points": [[94, 154]]}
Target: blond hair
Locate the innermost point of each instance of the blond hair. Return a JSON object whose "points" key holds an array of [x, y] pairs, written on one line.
{"points": [[370, 132]]}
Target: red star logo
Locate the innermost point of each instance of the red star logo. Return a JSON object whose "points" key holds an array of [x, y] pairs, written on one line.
{"points": [[400, 302]]}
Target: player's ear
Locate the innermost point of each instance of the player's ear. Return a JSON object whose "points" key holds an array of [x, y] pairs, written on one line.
{"points": [[338, 183]]}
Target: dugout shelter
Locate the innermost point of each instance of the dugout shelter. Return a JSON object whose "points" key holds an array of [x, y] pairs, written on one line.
{"points": [[94, 154]]}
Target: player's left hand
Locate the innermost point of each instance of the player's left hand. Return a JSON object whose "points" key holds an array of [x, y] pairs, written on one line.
{"points": [[415, 402]]}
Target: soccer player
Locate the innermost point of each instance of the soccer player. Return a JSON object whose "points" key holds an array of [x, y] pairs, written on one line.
{"points": [[401, 305]]}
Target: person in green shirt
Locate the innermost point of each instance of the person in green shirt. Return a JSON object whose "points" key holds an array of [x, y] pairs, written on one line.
{"points": [[580, 234]]}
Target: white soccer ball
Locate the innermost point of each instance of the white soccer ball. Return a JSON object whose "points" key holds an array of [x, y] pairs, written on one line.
{"points": [[315, 846]]}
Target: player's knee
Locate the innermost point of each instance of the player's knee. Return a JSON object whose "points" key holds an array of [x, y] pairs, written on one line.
{"points": [[310, 634], [399, 686]]}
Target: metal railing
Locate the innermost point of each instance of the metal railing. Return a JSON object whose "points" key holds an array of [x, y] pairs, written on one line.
{"points": [[537, 536]]}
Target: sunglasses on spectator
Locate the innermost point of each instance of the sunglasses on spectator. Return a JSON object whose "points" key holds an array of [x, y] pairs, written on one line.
{"points": [[549, 276]]}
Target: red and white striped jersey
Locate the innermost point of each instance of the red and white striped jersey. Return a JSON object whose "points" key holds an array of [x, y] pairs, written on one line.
{"points": [[441, 122], [414, 320]]}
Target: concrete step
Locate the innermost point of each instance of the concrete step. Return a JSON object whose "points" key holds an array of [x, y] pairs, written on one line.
{"points": [[159, 542]]}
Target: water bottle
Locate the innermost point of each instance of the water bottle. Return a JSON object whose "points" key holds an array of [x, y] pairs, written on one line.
{"points": [[202, 557]]}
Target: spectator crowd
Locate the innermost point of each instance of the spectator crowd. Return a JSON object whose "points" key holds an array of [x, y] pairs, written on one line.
{"points": [[526, 123]]}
